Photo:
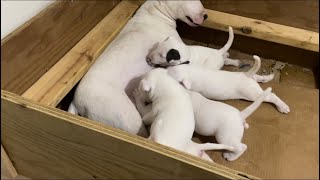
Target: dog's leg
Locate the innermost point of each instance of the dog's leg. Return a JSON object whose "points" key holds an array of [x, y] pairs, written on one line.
{"points": [[263, 78], [205, 156], [231, 156], [140, 101], [228, 61], [148, 118], [281, 106]]}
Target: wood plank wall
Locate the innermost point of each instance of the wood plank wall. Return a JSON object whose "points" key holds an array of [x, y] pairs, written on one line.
{"points": [[36, 46]]}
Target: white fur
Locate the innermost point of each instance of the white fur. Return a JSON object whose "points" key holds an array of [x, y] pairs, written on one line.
{"points": [[225, 122], [171, 114], [197, 55], [224, 85], [104, 92]]}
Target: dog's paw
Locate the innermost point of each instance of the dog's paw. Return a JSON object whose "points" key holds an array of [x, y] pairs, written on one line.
{"points": [[236, 63], [230, 156], [246, 126], [283, 108], [267, 78]]}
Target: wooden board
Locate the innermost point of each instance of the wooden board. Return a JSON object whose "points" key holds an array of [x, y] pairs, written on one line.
{"points": [[60, 79], [259, 29], [36, 46], [276, 11], [45, 142], [7, 168]]}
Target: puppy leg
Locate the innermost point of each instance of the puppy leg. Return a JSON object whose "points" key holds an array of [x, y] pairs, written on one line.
{"points": [[281, 106], [231, 156], [140, 101], [264, 78], [228, 61], [205, 156], [148, 118]]}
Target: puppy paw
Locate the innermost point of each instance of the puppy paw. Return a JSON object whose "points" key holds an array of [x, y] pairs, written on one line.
{"points": [[237, 62], [230, 156], [246, 126], [283, 108]]}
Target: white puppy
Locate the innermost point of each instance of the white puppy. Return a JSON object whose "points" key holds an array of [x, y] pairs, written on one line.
{"points": [[171, 114], [104, 92], [225, 122], [174, 52], [224, 85]]}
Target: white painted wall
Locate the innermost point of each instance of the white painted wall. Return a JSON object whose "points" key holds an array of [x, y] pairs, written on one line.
{"points": [[16, 12]]}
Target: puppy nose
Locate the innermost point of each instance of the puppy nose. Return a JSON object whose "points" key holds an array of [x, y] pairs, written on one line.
{"points": [[205, 16]]}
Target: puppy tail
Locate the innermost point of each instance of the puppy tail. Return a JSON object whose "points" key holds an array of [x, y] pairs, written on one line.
{"points": [[213, 146], [72, 109], [255, 68], [250, 109], [227, 46]]}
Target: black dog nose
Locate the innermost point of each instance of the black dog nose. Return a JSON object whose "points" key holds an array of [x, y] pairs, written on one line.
{"points": [[205, 16]]}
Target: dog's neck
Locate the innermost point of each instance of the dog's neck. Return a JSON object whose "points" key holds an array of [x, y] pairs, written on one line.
{"points": [[160, 10]]}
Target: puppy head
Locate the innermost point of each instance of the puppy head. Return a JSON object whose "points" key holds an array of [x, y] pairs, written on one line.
{"points": [[150, 80], [191, 12], [179, 74], [170, 52]]}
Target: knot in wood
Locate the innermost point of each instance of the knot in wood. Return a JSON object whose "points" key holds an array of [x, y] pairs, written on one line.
{"points": [[246, 30]]}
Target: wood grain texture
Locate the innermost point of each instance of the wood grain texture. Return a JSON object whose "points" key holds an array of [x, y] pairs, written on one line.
{"points": [[28, 52], [46, 142], [303, 14], [52, 87], [259, 29], [7, 168]]}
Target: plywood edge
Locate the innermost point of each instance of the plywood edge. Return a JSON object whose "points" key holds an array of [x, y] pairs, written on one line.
{"points": [[121, 136], [51, 88], [8, 171], [259, 29]]}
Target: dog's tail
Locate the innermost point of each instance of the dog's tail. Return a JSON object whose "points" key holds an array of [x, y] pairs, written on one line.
{"points": [[255, 68], [250, 109], [213, 146], [72, 109], [227, 46]]}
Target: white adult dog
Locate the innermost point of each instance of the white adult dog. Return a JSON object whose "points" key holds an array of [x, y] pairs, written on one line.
{"points": [[214, 59], [103, 93], [224, 85], [171, 114], [223, 121], [172, 51]]}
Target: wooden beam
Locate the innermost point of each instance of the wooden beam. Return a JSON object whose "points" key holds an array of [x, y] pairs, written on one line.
{"points": [[33, 48], [277, 33], [51, 88], [45, 142], [7, 169]]}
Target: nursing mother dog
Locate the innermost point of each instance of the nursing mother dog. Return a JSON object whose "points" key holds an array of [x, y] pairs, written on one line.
{"points": [[103, 93]]}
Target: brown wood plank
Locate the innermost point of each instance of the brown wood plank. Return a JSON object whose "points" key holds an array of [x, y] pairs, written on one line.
{"points": [[303, 14], [28, 52], [7, 169], [52, 87], [268, 31], [45, 142]]}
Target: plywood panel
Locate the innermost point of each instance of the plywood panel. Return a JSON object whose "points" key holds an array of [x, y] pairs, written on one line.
{"points": [[302, 14], [36, 46], [48, 143]]}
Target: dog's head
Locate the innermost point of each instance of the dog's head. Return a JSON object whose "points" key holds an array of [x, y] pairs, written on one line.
{"points": [[179, 74], [170, 52], [149, 82], [191, 12]]}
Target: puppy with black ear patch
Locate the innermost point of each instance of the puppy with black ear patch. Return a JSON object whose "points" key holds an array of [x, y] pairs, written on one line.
{"points": [[173, 51], [224, 85], [170, 114]]}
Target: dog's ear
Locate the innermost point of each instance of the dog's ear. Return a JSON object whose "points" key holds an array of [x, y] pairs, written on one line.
{"points": [[145, 85], [173, 54], [186, 83]]}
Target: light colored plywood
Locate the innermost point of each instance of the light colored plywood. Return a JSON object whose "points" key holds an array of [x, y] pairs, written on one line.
{"points": [[61, 78], [45, 142], [32, 49], [7, 169], [268, 31]]}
